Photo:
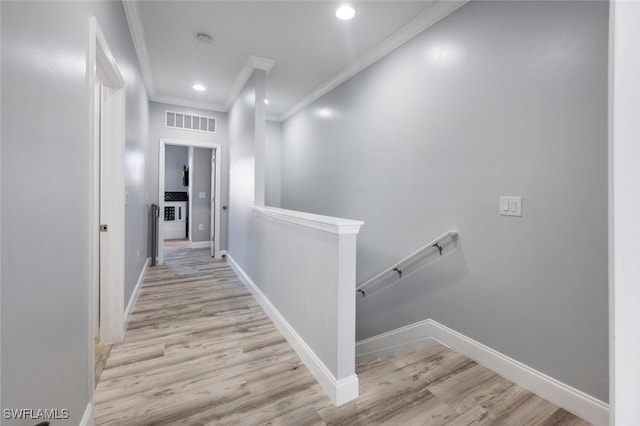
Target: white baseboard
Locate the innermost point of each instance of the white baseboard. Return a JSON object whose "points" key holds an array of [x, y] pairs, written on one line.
{"points": [[393, 343], [87, 417], [340, 391], [425, 333], [134, 295], [200, 244]]}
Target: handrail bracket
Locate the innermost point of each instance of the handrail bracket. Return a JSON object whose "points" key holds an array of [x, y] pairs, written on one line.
{"points": [[408, 262]]}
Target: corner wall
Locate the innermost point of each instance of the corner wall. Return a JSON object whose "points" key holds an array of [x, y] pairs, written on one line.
{"points": [[499, 98], [273, 174], [242, 175]]}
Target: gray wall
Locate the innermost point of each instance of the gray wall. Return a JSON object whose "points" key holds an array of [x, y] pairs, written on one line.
{"points": [[157, 131], [45, 219], [242, 173], [175, 158], [200, 181], [499, 98], [273, 163]]}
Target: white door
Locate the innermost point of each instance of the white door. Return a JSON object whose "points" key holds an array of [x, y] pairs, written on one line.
{"points": [[111, 214], [212, 212]]}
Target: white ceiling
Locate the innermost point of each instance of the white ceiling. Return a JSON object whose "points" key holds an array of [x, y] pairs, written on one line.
{"points": [[313, 51]]}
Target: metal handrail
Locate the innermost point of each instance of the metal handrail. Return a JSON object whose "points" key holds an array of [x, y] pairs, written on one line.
{"points": [[398, 267]]}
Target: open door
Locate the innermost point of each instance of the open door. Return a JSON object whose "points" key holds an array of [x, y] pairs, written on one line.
{"points": [[107, 198], [215, 203], [111, 214], [108, 192]]}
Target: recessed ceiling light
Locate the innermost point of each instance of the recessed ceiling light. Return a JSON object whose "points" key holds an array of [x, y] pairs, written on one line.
{"points": [[266, 101], [345, 12], [198, 87]]}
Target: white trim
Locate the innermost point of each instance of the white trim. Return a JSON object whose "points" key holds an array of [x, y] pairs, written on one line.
{"points": [[393, 343], [136, 28], [218, 214], [424, 20], [200, 244], [171, 100], [101, 68], [340, 391], [135, 294], [189, 197], [87, 417], [1, 404], [624, 208], [334, 225], [251, 64], [427, 18], [422, 334]]}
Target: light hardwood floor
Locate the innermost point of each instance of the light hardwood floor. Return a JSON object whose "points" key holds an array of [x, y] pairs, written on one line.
{"points": [[199, 350]]}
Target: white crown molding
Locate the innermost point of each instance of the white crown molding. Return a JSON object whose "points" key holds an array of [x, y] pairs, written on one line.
{"points": [[251, 64], [259, 63], [427, 18], [132, 12], [186, 103]]}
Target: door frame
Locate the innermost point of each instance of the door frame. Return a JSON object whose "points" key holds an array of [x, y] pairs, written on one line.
{"points": [[213, 205], [101, 67], [624, 209], [217, 151]]}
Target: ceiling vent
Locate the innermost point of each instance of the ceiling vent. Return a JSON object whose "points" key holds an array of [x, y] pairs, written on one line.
{"points": [[198, 123]]}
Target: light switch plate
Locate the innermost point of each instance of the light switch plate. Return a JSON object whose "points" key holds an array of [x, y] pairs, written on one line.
{"points": [[510, 206]]}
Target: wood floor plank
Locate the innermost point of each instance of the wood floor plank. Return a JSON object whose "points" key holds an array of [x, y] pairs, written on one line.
{"points": [[199, 350]]}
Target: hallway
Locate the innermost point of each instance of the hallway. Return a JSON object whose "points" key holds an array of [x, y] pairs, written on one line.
{"points": [[199, 350]]}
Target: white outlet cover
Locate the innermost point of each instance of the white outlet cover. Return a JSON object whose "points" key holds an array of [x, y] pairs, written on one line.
{"points": [[201, 227], [202, 194]]}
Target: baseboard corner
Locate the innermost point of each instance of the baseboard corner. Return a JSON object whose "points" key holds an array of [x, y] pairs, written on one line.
{"points": [[426, 333], [200, 244], [339, 391]]}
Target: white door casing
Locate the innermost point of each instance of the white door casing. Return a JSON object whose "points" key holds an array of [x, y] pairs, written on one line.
{"points": [[106, 201], [212, 200], [217, 150]]}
